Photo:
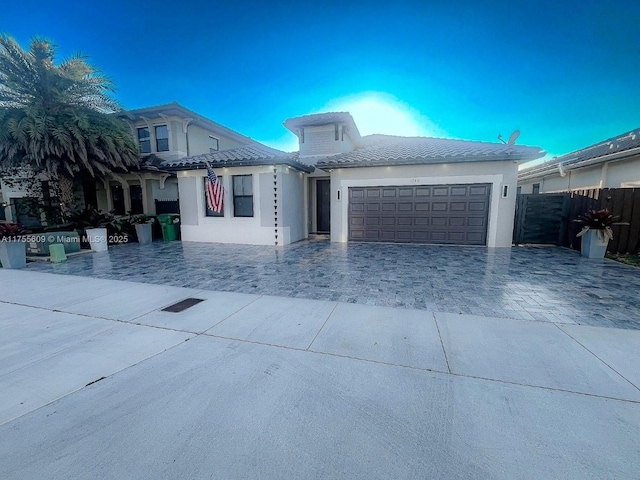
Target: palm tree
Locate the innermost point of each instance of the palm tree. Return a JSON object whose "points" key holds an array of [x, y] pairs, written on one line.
{"points": [[55, 118]]}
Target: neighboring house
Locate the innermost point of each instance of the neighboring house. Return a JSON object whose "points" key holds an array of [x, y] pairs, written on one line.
{"points": [[164, 132], [375, 188], [613, 163]]}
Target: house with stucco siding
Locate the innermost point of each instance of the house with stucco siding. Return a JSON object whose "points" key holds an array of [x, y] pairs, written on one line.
{"points": [[163, 132], [611, 163], [374, 188]]}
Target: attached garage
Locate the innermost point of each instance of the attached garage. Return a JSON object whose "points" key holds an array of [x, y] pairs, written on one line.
{"points": [[425, 191], [436, 214]]}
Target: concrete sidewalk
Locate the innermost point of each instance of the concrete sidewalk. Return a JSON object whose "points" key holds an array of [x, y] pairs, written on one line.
{"points": [[97, 382]]}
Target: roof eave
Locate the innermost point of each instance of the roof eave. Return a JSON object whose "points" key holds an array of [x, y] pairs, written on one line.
{"points": [[244, 163], [575, 164], [427, 161]]}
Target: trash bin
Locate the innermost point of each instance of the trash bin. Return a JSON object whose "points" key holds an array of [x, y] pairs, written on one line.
{"points": [[170, 224]]}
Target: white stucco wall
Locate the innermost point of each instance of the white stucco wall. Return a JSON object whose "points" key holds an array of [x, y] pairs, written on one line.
{"points": [[179, 146], [256, 230], [293, 203], [616, 174], [169, 192], [199, 140], [498, 174]]}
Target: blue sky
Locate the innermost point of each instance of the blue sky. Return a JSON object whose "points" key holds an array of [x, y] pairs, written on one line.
{"points": [[564, 73]]}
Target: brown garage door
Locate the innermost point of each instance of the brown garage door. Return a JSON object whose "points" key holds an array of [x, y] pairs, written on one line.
{"points": [[456, 214]]}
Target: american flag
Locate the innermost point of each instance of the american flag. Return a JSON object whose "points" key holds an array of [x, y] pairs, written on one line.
{"points": [[215, 192]]}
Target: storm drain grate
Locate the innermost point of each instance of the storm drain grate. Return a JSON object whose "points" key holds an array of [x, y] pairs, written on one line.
{"points": [[182, 305]]}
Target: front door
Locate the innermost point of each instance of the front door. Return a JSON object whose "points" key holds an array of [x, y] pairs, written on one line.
{"points": [[323, 198], [136, 199], [117, 195]]}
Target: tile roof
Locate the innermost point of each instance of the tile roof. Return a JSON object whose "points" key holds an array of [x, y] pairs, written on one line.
{"points": [[247, 155], [385, 150], [152, 163], [592, 155]]}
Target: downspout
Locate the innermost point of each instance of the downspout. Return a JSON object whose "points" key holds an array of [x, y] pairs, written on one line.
{"points": [[561, 169], [603, 175], [563, 174], [186, 133], [185, 129]]}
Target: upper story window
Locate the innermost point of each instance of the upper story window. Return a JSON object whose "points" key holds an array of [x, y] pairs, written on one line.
{"points": [[536, 188], [144, 140], [214, 145], [243, 196], [162, 138]]}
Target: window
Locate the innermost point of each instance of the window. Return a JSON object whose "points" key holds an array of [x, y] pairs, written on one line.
{"points": [[162, 138], [213, 144], [519, 190], [144, 140], [207, 211], [243, 196], [536, 188]]}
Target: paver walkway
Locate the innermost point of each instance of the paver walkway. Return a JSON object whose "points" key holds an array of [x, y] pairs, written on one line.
{"points": [[534, 283]]}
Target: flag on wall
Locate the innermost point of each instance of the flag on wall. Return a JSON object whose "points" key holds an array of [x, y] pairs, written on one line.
{"points": [[215, 192]]}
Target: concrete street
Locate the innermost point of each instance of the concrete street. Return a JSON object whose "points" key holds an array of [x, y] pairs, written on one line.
{"points": [[96, 382]]}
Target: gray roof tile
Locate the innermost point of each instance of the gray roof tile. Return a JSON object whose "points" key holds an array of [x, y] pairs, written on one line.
{"points": [[256, 154], [383, 150], [585, 156]]}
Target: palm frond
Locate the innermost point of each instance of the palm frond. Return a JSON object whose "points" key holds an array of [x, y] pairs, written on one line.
{"points": [[54, 117]]}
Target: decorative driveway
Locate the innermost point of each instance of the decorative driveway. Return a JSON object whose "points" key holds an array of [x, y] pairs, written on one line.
{"points": [[548, 284]]}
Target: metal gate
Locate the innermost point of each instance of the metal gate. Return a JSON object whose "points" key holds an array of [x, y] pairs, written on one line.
{"points": [[541, 218]]}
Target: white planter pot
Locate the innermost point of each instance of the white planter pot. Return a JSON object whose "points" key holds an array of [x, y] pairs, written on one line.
{"points": [[144, 233], [13, 254], [97, 238], [593, 245]]}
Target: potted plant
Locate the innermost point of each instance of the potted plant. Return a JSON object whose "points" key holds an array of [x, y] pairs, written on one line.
{"points": [[143, 225], [94, 222], [13, 248], [596, 232]]}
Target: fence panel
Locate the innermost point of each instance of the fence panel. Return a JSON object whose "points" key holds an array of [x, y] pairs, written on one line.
{"points": [[622, 202], [541, 219], [633, 243], [544, 218], [581, 202]]}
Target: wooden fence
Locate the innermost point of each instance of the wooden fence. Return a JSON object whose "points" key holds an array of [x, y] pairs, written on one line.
{"points": [[623, 203], [549, 217]]}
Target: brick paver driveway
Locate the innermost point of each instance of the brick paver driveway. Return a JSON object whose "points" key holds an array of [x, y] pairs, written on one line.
{"points": [[531, 283]]}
